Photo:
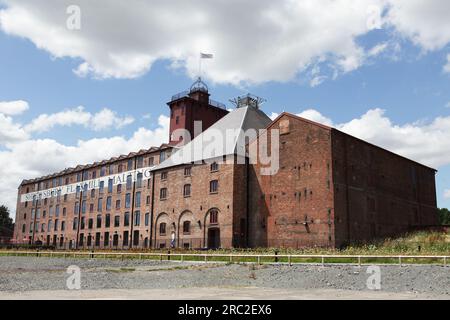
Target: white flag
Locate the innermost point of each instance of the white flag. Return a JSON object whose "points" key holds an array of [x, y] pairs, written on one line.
{"points": [[206, 55]]}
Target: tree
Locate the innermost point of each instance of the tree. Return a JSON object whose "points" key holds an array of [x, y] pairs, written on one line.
{"points": [[5, 221], [444, 216]]}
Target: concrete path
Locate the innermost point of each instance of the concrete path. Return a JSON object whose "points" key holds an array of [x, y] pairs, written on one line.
{"points": [[247, 293]]}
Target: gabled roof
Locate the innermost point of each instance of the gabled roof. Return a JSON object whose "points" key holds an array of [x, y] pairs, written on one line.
{"points": [[230, 129]]}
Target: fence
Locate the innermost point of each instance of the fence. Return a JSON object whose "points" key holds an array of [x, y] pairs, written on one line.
{"points": [[241, 258]]}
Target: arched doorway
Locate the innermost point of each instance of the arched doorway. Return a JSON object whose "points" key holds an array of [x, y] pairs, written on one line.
{"points": [[212, 229]]}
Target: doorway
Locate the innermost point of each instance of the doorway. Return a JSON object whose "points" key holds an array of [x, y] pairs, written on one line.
{"points": [[213, 238]]}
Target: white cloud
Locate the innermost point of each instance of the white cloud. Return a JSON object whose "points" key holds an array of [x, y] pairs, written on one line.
{"points": [[12, 108], [104, 119], [424, 22], [50, 156], [447, 67], [426, 143], [253, 41], [10, 132]]}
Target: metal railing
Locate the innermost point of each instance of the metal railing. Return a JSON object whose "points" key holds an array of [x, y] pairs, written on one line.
{"points": [[212, 102], [289, 259]]}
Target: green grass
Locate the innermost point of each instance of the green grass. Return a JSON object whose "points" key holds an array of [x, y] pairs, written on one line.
{"points": [[418, 243]]}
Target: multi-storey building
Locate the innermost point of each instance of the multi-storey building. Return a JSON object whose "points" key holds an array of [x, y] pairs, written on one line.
{"points": [[328, 189]]}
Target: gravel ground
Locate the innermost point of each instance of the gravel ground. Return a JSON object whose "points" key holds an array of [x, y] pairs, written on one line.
{"points": [[20, 274]]}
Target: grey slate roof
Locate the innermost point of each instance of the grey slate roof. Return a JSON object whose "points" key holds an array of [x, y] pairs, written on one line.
{"points": [[225, 137]]}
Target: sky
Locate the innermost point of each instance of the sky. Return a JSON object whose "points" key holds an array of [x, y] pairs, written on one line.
{"points": [[82, 81]]}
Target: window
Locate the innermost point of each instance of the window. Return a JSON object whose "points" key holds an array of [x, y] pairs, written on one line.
{"points": [[162, 229], [187, 227], [214, 167], [43, 227], [140, 162], [75, 224], [139, 180], [24, 226], [57, 210], [65, 197], [82, 223], [93, 193], [119, 168], [177, 120], [130, 165], [63, 225], [102, 171], [119, 188], [111, 169], [126, 219], [151, 161], [138, 200], [107, 220], [137, 218], [56, 225], [187, 171], [162, 156], [127, 200], [76, 209], [90, 223], [83, 207], [147, 200], [100, 204], [78, 191], [94, 174], [50, 225], [64, 212], [214, 186], [164, 175], [125, 238], [163, 193], [129, 182], [99, 221], [106, 240], [110, 185], [91, 207], [108, 203], [213, 217], [117, 221], [117, 204], [50, 211], [147, 219], [187, 190], [101, 187]]}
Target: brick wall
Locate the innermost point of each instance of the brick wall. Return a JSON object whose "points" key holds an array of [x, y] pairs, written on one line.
{"points": [[378, 193], [294, 208]]}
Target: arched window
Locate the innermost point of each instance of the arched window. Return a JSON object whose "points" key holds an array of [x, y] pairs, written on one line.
{"points": [[187, 227], [162, 228], [214, 217]]}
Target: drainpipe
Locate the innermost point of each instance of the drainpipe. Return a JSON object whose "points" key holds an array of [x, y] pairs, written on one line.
{"points": [[80, 204], [152, 206], [132, 204]]}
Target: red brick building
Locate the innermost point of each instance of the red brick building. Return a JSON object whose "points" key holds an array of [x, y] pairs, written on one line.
{"points": [[330, 189]]}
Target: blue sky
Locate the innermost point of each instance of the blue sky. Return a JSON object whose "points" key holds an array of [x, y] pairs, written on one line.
{"points": [[407, 80]]}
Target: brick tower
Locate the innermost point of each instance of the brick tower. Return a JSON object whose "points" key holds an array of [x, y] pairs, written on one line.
{"points": [[190, 106]]}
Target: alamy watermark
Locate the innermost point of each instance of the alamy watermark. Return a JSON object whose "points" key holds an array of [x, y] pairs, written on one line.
{"points": [[73, 21], [73, 282]]}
